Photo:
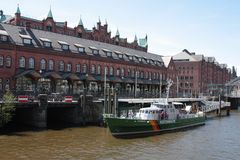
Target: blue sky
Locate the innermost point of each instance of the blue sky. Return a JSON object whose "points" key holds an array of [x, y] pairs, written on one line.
{"points": [[209, 27]]}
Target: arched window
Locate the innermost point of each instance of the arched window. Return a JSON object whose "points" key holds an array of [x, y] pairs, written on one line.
{"points": [[129, 72], [154, 75], [132, 73], [61, 66], [99, 69], [142, 74], [93, 69], [118, 72], [8, 61], [1, 60], [84, 70], [31, 63], [78, 68], [50, 65], [69, 67], [43, 64], [111, 71], [150, 75], [22, 62], [122, 72]]}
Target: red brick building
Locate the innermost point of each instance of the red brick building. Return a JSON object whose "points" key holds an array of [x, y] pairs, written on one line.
{"points": [[47, 56], [199, 75]]}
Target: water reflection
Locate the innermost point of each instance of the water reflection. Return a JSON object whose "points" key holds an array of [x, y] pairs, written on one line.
{"points": [[218, 139]]}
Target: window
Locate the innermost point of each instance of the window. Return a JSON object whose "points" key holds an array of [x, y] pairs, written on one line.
{"points": [[43, 64], [31, 63], [50, 65], [27, 41], [81, 49], [21, 62], [111, 71], [130, 58], [94, 51], [142, 74], [65, 47], [120, 56], [154, 75], [47, 44], [133, 74], [146, 75], [8, 61], [150, 75], [99, 69], [118, 72], [109, 54], [129, 72], [93, 69], [122, 72], [69, 67], [61, 66], [78, 68], [3, 38], [49, 28], [84, 69], [1, 60]]}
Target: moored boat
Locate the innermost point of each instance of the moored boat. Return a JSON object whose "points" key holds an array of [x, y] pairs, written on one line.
{"points": [[156, 119]]}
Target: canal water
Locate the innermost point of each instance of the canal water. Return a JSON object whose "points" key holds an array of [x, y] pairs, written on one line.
{"points": [[219, 139]]}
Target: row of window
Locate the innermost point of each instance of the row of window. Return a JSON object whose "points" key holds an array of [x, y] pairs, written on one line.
{"points": [[44, 65], [186, 78], [7, 61]]}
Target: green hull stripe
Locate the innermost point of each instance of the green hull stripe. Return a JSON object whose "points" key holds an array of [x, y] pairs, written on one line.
{"points": [[162, 130]]}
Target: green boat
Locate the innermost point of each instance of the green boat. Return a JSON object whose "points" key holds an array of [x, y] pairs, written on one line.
{"points": [[156, 119]]}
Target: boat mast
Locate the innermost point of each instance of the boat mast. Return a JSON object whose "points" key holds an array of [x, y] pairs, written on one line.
{"points": [[169, 84]]}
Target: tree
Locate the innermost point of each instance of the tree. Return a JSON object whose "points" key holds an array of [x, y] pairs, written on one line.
{"points": [[7, 108]]}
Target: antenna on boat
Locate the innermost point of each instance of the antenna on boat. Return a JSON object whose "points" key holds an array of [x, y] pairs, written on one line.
{"points": [[169, 84]]}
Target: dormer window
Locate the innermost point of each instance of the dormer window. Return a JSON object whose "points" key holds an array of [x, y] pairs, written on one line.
{"points": [[94, 50], [26, 39], [148, 60], [64, 45], [119, 54], [140, 59], [81, 49], [46, 42], [3, 36], [130, 57], [108, 52]]}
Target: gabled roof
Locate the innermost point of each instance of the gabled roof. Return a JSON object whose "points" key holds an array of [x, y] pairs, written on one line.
{"points": [[35, 34], [183, 56], [166, 60]]}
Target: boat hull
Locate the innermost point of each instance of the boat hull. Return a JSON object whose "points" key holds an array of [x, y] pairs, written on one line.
{"points": [[134, 127]]}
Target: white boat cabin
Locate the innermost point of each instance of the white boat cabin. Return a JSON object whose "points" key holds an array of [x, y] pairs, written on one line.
{"points": [[158, 111]]}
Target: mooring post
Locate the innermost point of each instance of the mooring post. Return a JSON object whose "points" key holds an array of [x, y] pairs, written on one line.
{"points": [[220, 105]]}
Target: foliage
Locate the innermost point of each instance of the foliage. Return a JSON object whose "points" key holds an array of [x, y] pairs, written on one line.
{"points": [[7, 108]]}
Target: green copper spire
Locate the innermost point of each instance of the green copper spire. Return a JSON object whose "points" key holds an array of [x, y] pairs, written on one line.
{"points": [[18, 10], [135, 38], [80, 22], [117, 33], [50, 14]]}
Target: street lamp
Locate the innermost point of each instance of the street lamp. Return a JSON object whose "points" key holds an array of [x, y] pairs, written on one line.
{"points": [[104, 92]]}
